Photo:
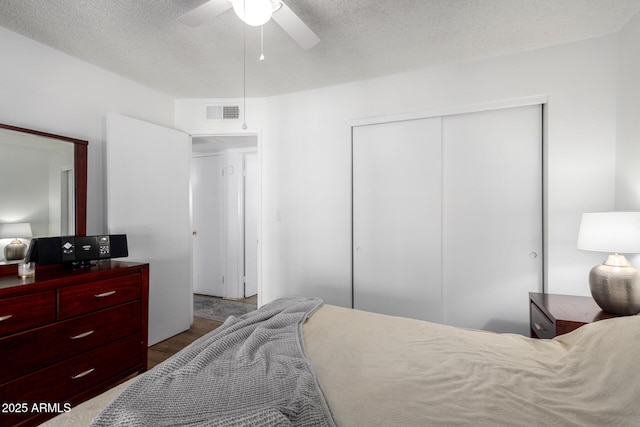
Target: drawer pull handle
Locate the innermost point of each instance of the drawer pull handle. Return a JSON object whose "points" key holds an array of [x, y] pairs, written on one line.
{"points": [[539, 326], [83, 374], [7, 317], [105, 294], [85, 334]]}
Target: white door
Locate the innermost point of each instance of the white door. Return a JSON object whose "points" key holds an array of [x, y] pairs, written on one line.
{"points": [[492, 216], [207, 187], [397, 218], [148, 199], [251, 203]]}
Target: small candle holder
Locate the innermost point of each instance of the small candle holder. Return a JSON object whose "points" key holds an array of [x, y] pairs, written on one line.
{"points": [[26, 269]]}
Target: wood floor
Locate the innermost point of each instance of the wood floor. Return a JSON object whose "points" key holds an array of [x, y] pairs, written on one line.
{"points": [[251, 300], [163, 350]]}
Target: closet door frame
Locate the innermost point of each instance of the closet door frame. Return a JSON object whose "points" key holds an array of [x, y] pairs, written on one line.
{"points": [[448, 111], [460, 109]]}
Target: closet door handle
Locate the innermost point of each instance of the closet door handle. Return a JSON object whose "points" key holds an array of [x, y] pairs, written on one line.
{"points": [[83, 374], [85, 334], [7, 317], [104, 294]]}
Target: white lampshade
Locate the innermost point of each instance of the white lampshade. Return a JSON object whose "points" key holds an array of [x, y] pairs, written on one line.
{"points": [[15, 230], [612, 232], [253, 12]]}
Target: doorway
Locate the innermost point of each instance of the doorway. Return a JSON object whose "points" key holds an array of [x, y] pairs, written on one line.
{"points": [[225, 189]]}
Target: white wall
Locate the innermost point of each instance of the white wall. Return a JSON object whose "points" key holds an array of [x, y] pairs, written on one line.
{"points": [[580, 81], [50, 91], [306, 175], [27, 199], [628, 138], [628, 121]]}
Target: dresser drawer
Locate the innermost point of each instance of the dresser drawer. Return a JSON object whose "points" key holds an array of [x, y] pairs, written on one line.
{"points": [[75, 300], [63, 381], [33, 350], [541, 324], [20, 313]]}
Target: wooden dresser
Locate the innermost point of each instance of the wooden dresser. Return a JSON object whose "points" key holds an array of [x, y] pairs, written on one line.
{"points": [[69, 334]]}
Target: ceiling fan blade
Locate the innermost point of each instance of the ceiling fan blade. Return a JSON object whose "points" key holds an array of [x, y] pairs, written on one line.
{"points": [[204, 13], [293, 25]]}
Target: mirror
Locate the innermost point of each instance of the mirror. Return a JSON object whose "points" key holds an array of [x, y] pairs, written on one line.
{"points": [[43, 187]]}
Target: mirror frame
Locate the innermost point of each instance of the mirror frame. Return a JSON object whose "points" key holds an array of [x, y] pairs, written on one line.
{"points": [[80, 180]]}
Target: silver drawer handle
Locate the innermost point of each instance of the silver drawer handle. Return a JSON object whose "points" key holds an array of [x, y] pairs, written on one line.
{"points": [[86, 334], [539, 326], [83, 374], [7, 317], [104, 294]]}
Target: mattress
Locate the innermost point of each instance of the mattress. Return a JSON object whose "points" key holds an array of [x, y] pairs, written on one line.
{"points": [[378, 370]]}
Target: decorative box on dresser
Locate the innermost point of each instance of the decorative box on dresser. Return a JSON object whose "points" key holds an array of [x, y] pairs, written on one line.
{"points": [[68, 334], [552, 315]]}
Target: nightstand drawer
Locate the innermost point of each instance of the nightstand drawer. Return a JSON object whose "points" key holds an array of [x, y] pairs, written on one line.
{"points": [[541, 324], [75, 300], [553, 314], [20, 313], [36, 349]]}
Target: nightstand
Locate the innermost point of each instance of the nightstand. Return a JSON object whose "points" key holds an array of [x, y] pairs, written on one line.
{"points": [[551, 315]]}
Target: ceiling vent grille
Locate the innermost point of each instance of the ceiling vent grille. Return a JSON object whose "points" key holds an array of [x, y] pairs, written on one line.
{"points": [[223, 112]]}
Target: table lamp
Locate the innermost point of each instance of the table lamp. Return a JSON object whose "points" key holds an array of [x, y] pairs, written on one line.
{"points": [[614, 284], [16, 249]]}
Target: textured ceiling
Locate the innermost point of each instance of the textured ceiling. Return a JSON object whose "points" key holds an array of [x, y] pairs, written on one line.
{"points": [[142, 40]]}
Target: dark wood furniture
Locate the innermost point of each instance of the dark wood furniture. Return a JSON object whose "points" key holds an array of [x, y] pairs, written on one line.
{"points": [[68, 334], [551, 315]]}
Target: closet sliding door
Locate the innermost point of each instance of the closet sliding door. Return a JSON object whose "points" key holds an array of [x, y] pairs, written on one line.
{"points": [[447, 218], [492, 210], [397, 218]]}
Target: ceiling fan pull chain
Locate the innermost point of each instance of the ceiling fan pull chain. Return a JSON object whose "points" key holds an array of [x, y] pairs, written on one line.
{"points": [[261, 42], [244, 76]]}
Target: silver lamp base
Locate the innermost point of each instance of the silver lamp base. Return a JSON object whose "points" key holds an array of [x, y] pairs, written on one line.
{"points": [[615, 286], [15, 250]]}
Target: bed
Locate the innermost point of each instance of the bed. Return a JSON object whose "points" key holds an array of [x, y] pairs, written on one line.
{"points": [[366, 369]]}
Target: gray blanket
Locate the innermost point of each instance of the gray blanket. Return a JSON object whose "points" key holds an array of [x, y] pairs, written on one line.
{"points": [[252, 371]]}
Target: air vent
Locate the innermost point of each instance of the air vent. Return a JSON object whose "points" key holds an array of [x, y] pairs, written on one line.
{"points": [[223, 112]]}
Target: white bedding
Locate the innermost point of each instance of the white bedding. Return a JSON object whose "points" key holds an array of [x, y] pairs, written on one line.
{"points": [[378, 370]]}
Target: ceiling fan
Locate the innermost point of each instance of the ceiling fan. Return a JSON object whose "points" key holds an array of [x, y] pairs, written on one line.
{"points": [[255, 12]]}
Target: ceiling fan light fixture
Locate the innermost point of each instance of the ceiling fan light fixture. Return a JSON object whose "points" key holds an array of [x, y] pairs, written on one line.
{"points": [[253, 12]]}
